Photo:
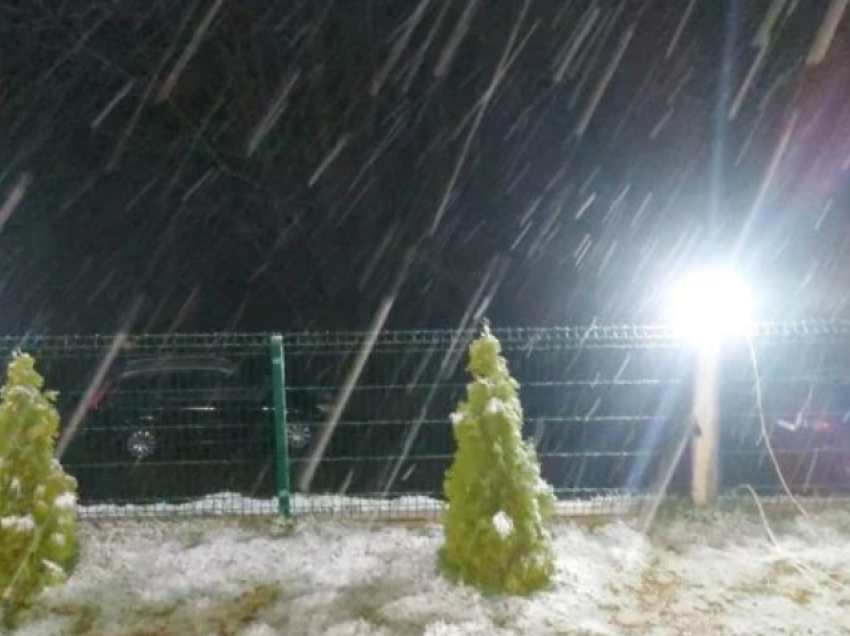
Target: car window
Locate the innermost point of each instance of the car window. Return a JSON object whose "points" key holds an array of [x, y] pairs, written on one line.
{"points": [[170, 380]]}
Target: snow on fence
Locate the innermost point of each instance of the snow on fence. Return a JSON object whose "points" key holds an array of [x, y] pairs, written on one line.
{"points": [[403, 508], [418, 508]]}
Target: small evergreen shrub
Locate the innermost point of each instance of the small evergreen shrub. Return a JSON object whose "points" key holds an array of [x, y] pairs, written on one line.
{"points": [[37, 498], [498, 505]]}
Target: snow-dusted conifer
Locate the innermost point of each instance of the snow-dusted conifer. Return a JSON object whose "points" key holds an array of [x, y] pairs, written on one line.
{"points": [[37, 498], [498, 505]]}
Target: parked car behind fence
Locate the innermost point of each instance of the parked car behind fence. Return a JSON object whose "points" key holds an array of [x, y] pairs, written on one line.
{"points": [[169, 425]]}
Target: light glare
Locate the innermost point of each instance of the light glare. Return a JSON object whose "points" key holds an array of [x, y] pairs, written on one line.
{"points": [[710, 306]]}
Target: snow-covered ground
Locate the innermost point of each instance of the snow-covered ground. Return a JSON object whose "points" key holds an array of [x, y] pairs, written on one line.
{"points": [[716, 574]]}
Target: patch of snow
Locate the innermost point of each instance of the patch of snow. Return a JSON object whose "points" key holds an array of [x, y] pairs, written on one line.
{"points": [[717, 576], [47, 627], [65, 502], [355, 628], [53, 568], [428, 607], [711, 575], [259, 629], [503, 523], [23, 523], [29, 393], [409, 506], [461, 629], [494, 406]]}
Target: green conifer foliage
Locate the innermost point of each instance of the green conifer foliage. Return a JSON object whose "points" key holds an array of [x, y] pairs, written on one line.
{"points": [[496, 535], [37, 498]]}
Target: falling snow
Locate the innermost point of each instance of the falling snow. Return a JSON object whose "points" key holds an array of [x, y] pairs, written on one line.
{"points": [[338, 166], [334, 158]]}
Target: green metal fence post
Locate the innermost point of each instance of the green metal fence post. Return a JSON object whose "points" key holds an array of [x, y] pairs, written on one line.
{"points": [[284, 501]]}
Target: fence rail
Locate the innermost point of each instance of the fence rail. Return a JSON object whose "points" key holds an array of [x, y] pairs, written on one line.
{"points": [[569, 337], [188, 424]]}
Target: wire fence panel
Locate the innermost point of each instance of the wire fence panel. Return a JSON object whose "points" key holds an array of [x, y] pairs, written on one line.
{"points": [[155, 425], [185, 424], [801, 431], [609, 410], [600, 416]]}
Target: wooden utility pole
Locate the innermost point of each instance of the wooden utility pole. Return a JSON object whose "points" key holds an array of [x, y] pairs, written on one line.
{"points": [[705, 478]]}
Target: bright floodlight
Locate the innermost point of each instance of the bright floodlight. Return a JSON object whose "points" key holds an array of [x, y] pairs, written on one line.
{"points": [[711, 305]]}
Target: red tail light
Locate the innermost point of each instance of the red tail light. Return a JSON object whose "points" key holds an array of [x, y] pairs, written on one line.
{"points": [[97, 397]]}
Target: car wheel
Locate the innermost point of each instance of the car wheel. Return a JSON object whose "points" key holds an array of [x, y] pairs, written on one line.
{"points": [[141, 444], [298, 434]]}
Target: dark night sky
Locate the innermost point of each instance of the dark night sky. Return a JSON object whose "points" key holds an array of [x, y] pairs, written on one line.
{"points": [[264, 165]]}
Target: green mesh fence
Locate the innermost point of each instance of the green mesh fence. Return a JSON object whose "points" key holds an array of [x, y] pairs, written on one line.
{"points": [[163, 425], [608, 408], [201, 424], [805, 402], [589, 397]]}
